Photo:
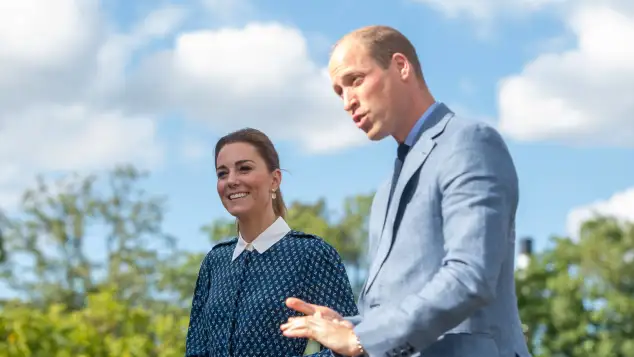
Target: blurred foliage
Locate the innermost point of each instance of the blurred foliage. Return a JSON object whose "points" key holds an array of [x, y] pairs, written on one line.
{"points": [[576, 298], [106, 326], [80, 232], [97, 275]]}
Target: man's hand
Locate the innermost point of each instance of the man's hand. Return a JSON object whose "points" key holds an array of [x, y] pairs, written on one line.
{"points": [[331, 333], [311, 309]]}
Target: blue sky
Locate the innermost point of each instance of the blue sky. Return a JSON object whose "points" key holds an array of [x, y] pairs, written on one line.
{"points": [[138, 86]]}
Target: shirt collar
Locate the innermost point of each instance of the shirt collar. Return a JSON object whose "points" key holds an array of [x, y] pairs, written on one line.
{"points": [[265, 240], [409, 141]]}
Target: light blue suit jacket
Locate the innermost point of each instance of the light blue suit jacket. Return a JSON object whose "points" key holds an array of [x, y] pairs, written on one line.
{"points": [[441, 280]]}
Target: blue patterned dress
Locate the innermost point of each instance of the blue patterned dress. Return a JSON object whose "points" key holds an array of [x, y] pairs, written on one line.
{"points": [[238, 306]]}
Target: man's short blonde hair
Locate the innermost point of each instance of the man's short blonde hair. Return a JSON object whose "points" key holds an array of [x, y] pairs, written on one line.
{"points": [[382, 42]]}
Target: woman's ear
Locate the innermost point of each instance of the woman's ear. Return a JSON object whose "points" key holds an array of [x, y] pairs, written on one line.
{"points": [[277, 179]]}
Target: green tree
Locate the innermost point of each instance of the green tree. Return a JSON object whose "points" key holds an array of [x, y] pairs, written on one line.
{"points": [[105, 327], [47, 242], [577, 297], [3, 253], [351, 231], [178, 277], [313, 219], [99, 277]]}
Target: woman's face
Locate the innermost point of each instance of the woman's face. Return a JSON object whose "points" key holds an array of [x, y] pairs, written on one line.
{"points": [[244, 182]]}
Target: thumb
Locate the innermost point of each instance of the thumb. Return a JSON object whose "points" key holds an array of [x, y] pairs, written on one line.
{"points": [[301, 306]]}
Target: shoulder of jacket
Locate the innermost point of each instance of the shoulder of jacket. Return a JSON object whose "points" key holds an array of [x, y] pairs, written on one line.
{"points": [[225, 242], [314, 241], [304, 235]]}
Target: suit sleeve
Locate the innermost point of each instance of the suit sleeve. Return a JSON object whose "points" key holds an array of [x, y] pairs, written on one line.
{"points": [[328, 285], [355, 320], [479, 199], [197, 341]]}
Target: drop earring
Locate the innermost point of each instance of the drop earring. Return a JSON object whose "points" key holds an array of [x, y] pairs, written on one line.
{"points": [[273, 195]]}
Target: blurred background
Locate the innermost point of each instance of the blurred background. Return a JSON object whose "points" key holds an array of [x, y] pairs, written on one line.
{"points": [[109, 112]]}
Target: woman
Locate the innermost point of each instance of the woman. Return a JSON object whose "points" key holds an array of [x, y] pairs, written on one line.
{"points": [[239, 301]]}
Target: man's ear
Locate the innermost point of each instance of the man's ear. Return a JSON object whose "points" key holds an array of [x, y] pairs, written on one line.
{"points": [[402, 65]]}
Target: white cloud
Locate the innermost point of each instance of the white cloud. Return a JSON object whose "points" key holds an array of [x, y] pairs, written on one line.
{"points": [[45, 33], [69, 138], [620, 206], [45, 50], [260, 75], [118, 49], [583, 95], [76, 95], [56, 69], [578, 96]]}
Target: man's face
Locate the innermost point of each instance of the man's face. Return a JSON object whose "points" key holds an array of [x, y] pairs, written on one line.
{"points": [[368, 91]]}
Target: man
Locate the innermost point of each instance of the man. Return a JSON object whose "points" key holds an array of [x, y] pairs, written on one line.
{"points": [[442, 230]]}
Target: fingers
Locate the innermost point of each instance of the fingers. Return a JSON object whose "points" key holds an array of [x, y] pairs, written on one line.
{"points": [[333, 335], [301, 306], [301, 322], [290, 323], [310, 309], [298, 333], [344, 323], [298, 327], [295, 322]]}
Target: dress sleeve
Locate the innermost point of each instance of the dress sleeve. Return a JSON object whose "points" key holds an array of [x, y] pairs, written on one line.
{"points": [[328, 285], [197, 335]]}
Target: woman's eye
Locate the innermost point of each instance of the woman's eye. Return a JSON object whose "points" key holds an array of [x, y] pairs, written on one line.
{"points": [[221, 174], [245, 169]]}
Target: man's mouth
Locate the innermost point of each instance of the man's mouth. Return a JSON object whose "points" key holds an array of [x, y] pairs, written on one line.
{"points": [[357, 118], [238, 195]]}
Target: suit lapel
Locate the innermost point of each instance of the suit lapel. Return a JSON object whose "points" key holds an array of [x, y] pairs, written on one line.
{"points": [[415, 159], [377, 214]]}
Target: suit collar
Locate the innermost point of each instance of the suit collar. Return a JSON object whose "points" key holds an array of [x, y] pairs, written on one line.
{"points": [[435, 123], [413, 135]]}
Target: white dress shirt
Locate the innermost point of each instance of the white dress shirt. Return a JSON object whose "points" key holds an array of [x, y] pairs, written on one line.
{"points": [[265, 240]]}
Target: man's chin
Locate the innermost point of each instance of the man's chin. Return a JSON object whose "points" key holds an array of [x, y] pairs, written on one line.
{"points": [[376, 135]]}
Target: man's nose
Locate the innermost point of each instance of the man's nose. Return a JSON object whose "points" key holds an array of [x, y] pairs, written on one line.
{"points": [[350, 102]]}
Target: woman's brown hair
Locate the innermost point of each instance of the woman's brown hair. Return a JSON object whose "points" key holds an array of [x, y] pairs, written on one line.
{"points": [[267, 151]]}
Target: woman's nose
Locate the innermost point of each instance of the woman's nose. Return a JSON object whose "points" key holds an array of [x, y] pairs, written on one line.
{"points": [[232, 179]]}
